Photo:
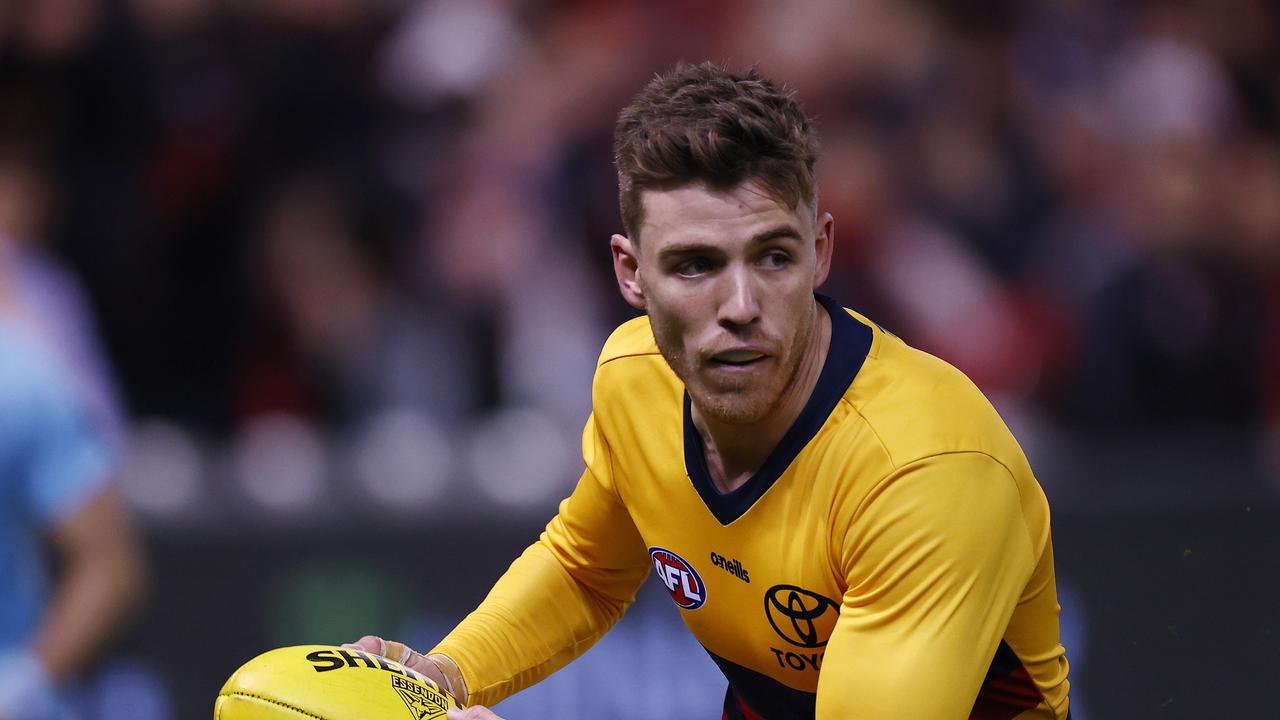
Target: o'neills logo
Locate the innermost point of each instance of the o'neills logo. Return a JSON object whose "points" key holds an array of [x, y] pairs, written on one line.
{"points": [[733, 566], [682, 581]]}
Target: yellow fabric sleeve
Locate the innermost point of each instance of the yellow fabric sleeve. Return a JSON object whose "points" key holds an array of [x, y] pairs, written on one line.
{"points": [[935, 558], [561, 595]]}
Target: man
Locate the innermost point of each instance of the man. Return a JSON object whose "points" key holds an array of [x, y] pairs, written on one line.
{"points": [[57, 506], [846, 524]]}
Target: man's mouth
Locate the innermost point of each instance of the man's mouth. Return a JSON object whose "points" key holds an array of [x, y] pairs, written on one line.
{"points": [[738, 358]]}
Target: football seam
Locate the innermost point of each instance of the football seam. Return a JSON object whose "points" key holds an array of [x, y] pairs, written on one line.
{"points": [[273, 701]]}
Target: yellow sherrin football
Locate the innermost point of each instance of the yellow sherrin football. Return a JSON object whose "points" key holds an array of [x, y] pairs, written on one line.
{"points": [[326, 682]]}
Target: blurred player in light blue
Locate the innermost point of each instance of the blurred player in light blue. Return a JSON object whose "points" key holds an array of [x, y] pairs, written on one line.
{"points": [[58, 509]]}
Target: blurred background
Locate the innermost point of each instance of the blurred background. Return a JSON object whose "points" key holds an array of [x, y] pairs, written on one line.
{"points": [[335, 274]]}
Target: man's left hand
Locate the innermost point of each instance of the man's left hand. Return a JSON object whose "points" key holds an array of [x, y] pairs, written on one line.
{"points": [[475, 712]]}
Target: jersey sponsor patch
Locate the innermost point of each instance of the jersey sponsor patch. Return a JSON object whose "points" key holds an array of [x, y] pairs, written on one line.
{"points": [[799, 616], [681, 580]]}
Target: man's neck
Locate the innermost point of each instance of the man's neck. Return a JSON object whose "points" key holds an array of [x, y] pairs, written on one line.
{"points": [[735, 452]]}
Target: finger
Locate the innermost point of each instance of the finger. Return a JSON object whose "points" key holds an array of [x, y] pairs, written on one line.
{"points": [[401, 653], [389, 649], [368, 643], [475, 712], [413, 660], [397, 651]]}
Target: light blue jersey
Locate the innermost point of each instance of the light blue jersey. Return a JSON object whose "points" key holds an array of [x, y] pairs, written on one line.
{"points": [[53, 460]]}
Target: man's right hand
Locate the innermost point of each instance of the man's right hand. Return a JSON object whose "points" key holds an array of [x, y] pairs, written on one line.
{"points": [[401, 653], [414, 660]]}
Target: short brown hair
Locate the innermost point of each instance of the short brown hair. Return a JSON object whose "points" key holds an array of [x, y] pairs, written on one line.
{"points": [[704, 123]]}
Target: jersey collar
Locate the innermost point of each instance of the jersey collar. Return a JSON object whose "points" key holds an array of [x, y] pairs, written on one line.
{"points": [[850, 343]]}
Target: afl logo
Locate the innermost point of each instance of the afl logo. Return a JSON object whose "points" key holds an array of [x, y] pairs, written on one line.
{"points": [[801, 617], [681, 579]]}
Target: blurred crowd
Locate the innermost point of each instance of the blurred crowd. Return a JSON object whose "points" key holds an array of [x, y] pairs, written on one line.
{"points": [[277, 240], [336, 209]]}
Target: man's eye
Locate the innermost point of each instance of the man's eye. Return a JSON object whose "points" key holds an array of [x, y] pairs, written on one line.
{"points": [[693, 267], [776, 260]]}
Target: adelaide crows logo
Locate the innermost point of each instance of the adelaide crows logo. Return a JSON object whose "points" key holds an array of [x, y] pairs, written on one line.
{"points": [[801, 617], [682, 581]]}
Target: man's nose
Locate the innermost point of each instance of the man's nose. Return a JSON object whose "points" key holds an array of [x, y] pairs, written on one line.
{"points": [[739, 306]]}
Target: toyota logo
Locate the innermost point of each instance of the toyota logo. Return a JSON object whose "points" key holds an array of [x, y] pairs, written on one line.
{"points": [[801, 617]]}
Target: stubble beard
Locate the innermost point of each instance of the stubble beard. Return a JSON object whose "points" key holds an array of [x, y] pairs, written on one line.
{"points": [[745, 403]]}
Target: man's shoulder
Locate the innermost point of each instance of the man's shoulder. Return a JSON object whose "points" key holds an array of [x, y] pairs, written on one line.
{"points": [[632, 376], [633, 338], [919, 405]]}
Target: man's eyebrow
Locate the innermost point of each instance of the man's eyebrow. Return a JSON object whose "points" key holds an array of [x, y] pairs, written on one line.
{"points": [[782, 231], [693, 246], [688, 248]]}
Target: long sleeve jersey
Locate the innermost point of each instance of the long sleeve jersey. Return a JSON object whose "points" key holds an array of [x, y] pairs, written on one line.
{"points": [[891, 558]]}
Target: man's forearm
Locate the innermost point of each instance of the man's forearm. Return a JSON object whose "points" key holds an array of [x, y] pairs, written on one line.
{"points": [[535, 620], [100, 585]]}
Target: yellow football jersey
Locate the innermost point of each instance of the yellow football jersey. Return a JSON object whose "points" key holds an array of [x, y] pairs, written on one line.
{"points": [[890, 559]]}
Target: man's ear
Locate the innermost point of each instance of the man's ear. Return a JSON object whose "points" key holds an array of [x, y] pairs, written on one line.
{"points": [[824, 241], [626, 266]]}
